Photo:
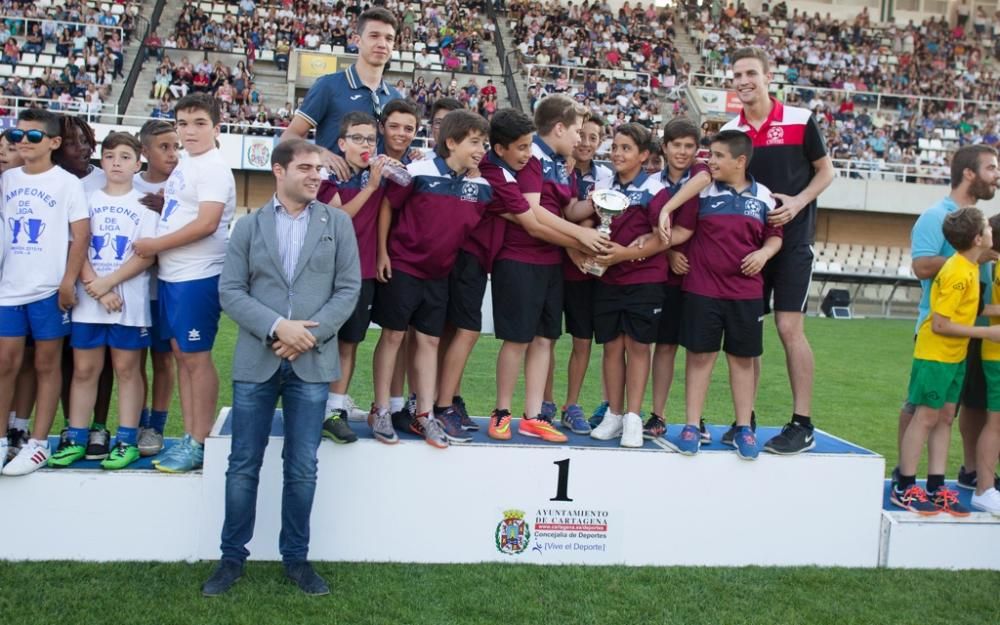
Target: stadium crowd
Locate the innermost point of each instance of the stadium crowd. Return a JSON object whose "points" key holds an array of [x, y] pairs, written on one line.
{"points": [[89, 41]]}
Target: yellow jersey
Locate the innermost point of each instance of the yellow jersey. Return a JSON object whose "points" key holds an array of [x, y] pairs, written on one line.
{"points": [[955, 295], [991, 350]]}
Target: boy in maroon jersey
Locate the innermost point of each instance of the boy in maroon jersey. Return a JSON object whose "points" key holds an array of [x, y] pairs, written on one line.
{"points": [[360, 196], [723, 290]]}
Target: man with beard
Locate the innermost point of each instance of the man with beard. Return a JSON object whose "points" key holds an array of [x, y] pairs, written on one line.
{"points": [[974, 177]]}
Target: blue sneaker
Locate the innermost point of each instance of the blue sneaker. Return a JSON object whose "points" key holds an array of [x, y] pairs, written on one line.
{"points": [[690, 440], [174, 450], [746, 443], [190, 457], [451, 422], [573, 420], [598, 416], [549, 409]]}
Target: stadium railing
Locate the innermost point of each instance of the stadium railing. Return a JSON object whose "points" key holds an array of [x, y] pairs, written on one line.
{"points": [[15, 104]]}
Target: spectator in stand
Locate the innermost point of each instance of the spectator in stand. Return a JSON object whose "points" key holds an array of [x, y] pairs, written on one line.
{"points": [[154, 46]]}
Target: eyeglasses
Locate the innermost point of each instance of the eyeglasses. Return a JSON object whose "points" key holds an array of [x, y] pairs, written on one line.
{"points": [[357, 139], [16, 135]]}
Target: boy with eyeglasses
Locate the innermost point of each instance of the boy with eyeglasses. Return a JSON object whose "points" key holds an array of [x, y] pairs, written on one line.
{"points": [[45, 209], [360, 196]]}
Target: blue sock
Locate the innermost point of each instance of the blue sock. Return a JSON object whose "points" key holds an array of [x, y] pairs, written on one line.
{"points": [[79, 435], [144, 418], [128, 435], [158, 420]]}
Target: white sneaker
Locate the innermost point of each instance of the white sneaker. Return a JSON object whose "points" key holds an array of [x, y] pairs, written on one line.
{"points": [[631, 430], [610, 428], [32, 457], [989, 501], [354, 412], [3, 451]]}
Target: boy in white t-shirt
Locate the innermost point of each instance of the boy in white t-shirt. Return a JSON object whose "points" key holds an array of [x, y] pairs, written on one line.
{"points": [[113, 307], [45, 210], [160, 147], [190, 244]]}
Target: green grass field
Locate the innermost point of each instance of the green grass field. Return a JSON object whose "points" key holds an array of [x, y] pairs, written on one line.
{"points": [[862, 371]]}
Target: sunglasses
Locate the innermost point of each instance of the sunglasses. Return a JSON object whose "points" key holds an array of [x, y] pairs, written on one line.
{"points": [[16, 135]]}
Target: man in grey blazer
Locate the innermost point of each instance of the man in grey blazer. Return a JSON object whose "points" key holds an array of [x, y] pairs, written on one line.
{"points": [[290, 280]]}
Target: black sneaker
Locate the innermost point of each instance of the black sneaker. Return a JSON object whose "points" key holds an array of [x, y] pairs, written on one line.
{"points": [[467, 423], [654, 427], [226, 573], [16, 439], [402, 421], [794, 439], [729, 437], [98, 444], [894, 478], [336, 428], [706, 436], [966, 479]]}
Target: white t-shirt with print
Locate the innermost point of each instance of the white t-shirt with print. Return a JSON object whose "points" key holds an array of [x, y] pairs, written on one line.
{"points": [[37, 210], [143, 187], [115, 222], [202, 178]]}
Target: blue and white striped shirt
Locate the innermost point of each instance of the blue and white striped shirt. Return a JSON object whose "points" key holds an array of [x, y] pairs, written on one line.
{"points": [[291, 232]]}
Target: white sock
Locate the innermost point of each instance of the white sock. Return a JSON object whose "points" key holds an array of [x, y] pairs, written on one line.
{"points": [[21, 424], [396, 404], [32, 442], [335, 401], [10, 419]]}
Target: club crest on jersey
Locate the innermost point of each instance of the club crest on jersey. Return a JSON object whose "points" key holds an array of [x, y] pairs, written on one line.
{"points": [[751, 208], [635, 198], [364, 177], [775, 135], [470, 192]]}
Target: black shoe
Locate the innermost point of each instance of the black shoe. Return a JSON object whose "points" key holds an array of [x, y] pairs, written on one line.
{"points": [[16, 439], [467, 422], [794, 439], [402, 420], [967, 479], [336, 428], [306, 578], [729, 437], [98, 444], [226, 573], [894, 478]]}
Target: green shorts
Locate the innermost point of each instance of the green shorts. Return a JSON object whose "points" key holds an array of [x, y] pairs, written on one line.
{"points": [[991, 369], [934, 384]]}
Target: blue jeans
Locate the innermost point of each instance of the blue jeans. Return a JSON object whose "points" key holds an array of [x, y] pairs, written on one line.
{"points": [[304, 405]]}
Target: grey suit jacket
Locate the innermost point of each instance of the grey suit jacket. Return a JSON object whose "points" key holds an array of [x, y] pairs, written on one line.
{"points": [[255, 292]]}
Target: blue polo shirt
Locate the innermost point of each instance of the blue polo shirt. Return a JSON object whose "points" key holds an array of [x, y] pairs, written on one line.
{"points": [[334, 95], [927, 239]]}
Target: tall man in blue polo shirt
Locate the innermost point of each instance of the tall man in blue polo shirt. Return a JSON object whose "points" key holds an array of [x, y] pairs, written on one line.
{"points": [[360, 87]]}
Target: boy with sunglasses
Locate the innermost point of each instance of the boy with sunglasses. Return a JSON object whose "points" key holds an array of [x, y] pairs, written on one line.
{"points": [[45, 209], [360, 196]]}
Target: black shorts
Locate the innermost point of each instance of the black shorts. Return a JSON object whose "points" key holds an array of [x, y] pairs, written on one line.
{"points": [[527, 300], [669, 332], [356, 326], [406, 301], [466, 287], [578, 308], [631, 309], [707, 320], [787, 277], [974, 387]]}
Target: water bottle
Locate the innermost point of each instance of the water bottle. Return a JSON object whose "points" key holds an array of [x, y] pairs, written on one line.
{"points": [[395, 171]]}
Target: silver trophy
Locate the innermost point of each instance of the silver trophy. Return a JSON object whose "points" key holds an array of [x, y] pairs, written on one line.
{"points": [[608, 204]]}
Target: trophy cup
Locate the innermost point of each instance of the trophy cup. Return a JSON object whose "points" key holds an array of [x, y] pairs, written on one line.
{"points": [[99, 242], [15, 228], [608, 204], [35, 229], [120, 245]]}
